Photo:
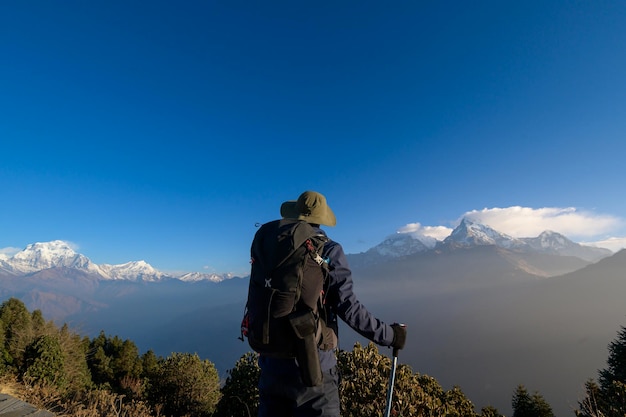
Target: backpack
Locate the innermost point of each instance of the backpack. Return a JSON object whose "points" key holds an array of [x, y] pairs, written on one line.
{"points": [[285, 294]]}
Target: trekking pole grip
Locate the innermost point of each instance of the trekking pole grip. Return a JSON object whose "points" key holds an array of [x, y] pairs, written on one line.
{"points": [[396, 350]]}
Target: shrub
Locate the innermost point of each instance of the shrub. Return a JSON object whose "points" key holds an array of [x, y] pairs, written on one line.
{"points": [[186, 385], [365, 380]]}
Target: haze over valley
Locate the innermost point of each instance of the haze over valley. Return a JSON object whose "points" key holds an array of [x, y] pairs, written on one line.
{"points": [[485, 311]]}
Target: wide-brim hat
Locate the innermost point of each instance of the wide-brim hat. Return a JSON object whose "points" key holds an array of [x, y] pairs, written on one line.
{"points": [[311, 207]]}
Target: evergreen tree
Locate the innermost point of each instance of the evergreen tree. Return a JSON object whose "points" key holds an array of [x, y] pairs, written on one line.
{"points": [[527, 405], [18, 331], [240, 394], [608, 397], [99, 362], [150, 364], [115, 363], [4, 354], [44, 362], [75, 349], [126, 366], [490, 411], [39, 324], [613, 378]]}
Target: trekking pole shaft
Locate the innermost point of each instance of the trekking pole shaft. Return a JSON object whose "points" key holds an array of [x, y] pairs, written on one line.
{"points": [[392, 379]]}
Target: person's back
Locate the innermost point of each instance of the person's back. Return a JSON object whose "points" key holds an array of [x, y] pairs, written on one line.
{"points": [[281, 389], [285, 296]]}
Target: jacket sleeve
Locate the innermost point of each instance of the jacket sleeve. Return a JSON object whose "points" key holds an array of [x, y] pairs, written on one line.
{"points": [[343, 300]]}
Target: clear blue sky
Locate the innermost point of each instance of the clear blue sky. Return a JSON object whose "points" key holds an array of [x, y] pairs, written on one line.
{"points": [[163, 131]]}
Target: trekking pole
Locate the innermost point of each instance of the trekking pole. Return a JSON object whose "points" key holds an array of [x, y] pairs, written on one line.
{"points": [[392, 380]]}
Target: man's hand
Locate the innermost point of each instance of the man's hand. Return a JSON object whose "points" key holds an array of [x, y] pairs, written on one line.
{"points": [[399, 336]]}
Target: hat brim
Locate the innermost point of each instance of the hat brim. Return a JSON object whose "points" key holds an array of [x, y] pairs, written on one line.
{"points": [[320, 214], [327, 218], [288, 210]]}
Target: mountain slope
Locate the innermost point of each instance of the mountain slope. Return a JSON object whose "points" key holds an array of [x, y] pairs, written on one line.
{"points": [[549, 334]]}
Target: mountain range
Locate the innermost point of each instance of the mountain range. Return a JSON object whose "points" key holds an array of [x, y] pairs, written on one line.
{"points": [[484, 310], [470, 234], [59, 254]]}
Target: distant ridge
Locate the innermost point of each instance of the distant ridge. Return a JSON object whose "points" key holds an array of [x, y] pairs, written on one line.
{"points": [[59, 254], [470, 234]]}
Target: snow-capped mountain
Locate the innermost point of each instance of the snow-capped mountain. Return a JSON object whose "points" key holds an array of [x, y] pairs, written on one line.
{"points": [[55, 254], [199, 276], [403, 244], [468, 233], [552, 242], [131, 271], [59, 254]]}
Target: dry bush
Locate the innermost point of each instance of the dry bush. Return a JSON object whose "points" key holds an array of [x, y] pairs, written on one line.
{"points": [[93, 403]]}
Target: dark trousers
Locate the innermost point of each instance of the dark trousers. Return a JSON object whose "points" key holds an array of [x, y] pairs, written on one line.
{"points": [[282, 394]]}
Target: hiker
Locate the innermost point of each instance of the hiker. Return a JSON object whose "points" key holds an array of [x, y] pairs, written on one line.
{"points": [[282, 392]]}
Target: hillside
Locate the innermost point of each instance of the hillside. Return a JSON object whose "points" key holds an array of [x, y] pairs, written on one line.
{"points": [[548, 334]]}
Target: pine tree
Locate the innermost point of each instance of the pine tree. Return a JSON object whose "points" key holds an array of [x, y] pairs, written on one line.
{"points": [[607, 398], [18, 331], [240, 394], [44, 362], [527, 405]]}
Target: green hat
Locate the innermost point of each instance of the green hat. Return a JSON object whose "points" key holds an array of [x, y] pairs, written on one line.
{"points": [[311, 207]]}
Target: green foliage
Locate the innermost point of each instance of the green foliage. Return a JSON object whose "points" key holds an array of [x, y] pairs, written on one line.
{"points": [[18, 331], [150, 363], [616, 370], [4, 354], [44, 362], [74, 349], [186, 385], [39, 324], [99, 362], [240, 394], [490, 411], [608, 397], [365, 380], [26, 341], [115, 363], [527, 405]]}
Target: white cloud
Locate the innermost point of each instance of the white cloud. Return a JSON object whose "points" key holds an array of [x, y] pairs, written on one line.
{"points": [[529, 222], [519, 221], [8, 252], [613, 243], [437, 232]]}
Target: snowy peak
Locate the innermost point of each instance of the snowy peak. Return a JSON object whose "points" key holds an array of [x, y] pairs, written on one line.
{"points": [[45, 255], [131, 271], [556, 243], [403, 244], [199, 276], [468, 233], [59, 254], [550, 240]]}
